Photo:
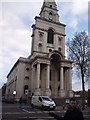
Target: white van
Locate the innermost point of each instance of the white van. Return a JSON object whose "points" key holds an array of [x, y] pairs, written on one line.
{"points": [[43, 102]]}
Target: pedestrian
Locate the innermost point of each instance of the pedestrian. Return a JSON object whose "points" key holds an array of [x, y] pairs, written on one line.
{"points": [[72, 113], [20, 102]]}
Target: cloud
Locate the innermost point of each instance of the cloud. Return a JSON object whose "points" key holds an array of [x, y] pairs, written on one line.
{"points": [[24, 1], [6, 61], [15, 33], [23, 10], [71, 13], [79, 8], [1, 65], [15, 38], [77, 85], [72, 0]]}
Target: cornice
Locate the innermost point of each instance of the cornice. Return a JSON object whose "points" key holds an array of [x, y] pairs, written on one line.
{"points": [[21, 59], [57, 23]]}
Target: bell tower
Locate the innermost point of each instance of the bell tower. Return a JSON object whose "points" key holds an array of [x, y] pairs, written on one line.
{"points": [[48, 32], [49, 11]]}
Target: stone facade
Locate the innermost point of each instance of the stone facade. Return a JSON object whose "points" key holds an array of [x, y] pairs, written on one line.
{"points": [[45, 71]]}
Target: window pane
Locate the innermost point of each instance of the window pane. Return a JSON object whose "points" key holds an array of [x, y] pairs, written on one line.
{"points": [[50, 36]]}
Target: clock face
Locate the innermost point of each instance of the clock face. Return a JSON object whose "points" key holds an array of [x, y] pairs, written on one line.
{"points": [[50, 16]]}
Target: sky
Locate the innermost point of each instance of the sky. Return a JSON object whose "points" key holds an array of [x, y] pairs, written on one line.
{"points": [[16, 19]]}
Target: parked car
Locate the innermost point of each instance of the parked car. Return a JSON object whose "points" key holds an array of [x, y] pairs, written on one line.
{"points": [[44, 102]]}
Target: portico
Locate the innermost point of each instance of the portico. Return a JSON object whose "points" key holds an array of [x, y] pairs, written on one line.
{"points": [[52, 76]]}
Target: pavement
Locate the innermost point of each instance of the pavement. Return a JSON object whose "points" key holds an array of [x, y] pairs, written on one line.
{"points": [[8, 109], [57, 107], [61, 108]]}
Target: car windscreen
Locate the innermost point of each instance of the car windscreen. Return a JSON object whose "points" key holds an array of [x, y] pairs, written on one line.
{"points": [[46, 98]]}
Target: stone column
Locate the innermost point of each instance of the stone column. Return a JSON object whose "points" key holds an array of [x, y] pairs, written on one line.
{"points": [[32, 80], [48, 76], [61, 79], [38, 76], [37, 89], [70, 83], [48, 92], [62, 91], [67, 79], [70, 79]]}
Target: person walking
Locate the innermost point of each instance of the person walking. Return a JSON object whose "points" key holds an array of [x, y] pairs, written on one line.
{"points": [[20, 102], [72, 113]]}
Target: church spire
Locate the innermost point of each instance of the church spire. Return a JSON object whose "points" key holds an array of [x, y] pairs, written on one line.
{"points": [[49, 0], [49, 11], [50, 3]]}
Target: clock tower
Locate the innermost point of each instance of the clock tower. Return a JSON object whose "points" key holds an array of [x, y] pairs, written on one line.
{"points": [[48, 32], [49, 11]]}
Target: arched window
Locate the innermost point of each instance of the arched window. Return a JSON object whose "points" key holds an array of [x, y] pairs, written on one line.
{"points": [[50, 36]]}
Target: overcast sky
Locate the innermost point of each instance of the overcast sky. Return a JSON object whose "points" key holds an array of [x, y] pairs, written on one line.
{"points": [[16, 19]]}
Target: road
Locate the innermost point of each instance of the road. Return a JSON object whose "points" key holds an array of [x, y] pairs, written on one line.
{"points": [[13, 112]]}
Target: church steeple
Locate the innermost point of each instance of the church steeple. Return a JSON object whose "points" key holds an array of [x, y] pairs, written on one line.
{"points": [[50, 3], [48, 32], [49, 11]]}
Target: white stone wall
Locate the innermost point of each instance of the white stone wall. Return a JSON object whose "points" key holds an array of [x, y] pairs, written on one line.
{"points": [[43, 26], [16, 80]]}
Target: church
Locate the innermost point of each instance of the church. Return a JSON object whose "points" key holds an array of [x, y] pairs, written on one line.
{"points": [[45, 71]]}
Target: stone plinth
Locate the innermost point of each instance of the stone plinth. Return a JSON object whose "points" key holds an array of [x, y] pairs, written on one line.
{"points": [[48, 92], [62, 93], [37, 91]]}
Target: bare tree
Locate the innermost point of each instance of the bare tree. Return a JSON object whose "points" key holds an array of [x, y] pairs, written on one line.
{"points": [[78, 52]]}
